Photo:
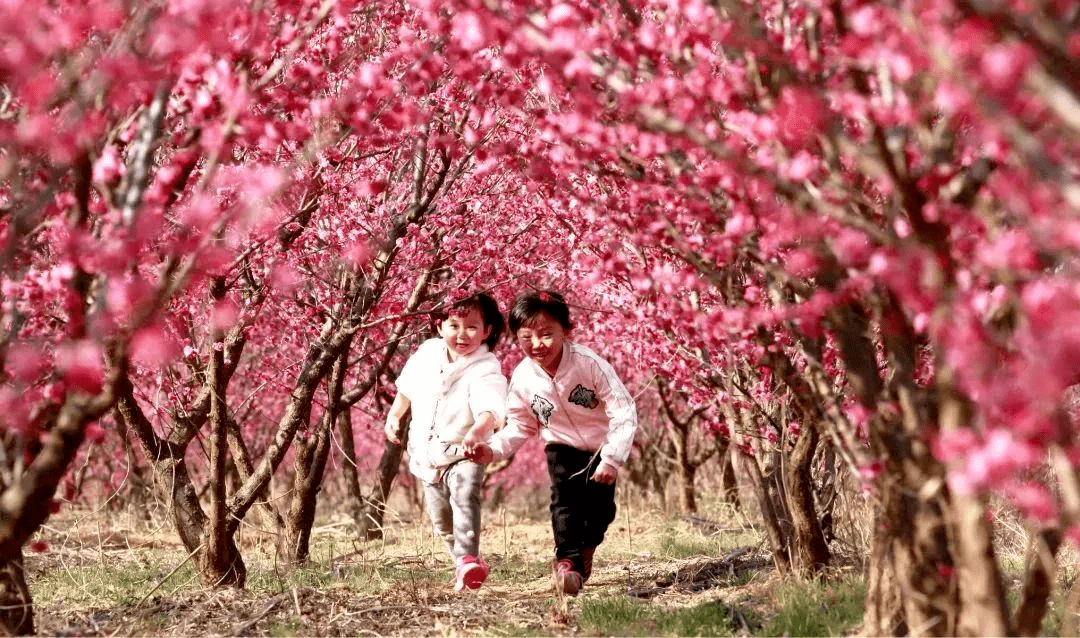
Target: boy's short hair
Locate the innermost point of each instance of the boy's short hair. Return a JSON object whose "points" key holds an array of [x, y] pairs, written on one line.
{"points": [[529, 304]]}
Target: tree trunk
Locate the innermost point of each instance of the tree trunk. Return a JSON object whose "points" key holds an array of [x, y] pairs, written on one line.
{"points": [[774, 527], [729, 480], [911, 585], [16, 608], [374, 506], [310, 465], [684, 471], [219, 561], [809, 552], [983, 610], [924, 564], [884, 613], [189, 519], [349, 472], [25, 502], [1038, 582], [687, 496], [224, 567]]}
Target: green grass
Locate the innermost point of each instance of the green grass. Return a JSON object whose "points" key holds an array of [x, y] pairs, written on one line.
{"points": [[818, 608], [289, 628], [517, 569], [626, 617], [680, 547], [112, 583]]}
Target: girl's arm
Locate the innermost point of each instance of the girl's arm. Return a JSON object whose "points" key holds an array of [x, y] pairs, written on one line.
{"points": [[393, 418], [520, 425], [480, 431]]}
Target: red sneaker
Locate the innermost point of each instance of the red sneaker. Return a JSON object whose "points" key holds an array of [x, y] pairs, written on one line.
{"points": [[471, 573], [567, 580]]}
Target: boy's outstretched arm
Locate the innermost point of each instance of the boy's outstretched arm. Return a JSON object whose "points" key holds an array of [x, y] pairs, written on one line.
{"points": [[393, 418]]}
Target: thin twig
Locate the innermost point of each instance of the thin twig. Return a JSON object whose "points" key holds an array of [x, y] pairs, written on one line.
{"points": [[167, 576]]}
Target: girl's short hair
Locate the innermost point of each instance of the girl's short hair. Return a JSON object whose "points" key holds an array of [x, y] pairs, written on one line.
{"points": [[489, 311], [530, 304]]}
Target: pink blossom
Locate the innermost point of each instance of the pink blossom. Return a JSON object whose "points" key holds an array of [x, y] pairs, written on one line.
{"points": [[468, 29], [81, 365], [1004, 65], [799, 115], [109, 166], [358, 253], [865, 20], [224, 314], [284, 278], [95, 433], [1073, 534], [152, 347], [24, 362], [1034, 500], [872, 470]]}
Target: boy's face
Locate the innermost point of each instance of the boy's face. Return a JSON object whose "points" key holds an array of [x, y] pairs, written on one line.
{"points": [[542, 341], [464, 332]]}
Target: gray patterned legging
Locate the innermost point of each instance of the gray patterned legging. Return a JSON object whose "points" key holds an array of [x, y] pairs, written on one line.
{"points": [[454, 507]]}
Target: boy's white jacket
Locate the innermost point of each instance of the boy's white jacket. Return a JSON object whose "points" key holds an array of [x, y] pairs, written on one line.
{"points": [[446, 398], [585, 406]]}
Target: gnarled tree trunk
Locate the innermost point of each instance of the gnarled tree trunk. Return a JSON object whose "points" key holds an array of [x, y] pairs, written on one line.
{"points": [[1038, 582], [16, 608], [309, 467], [311, 454], [809, 551], [373, 509]]}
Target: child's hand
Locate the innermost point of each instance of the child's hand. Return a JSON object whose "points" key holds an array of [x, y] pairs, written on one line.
{"points": [[393, 429], [474, 437], [480, 453], [605, 474]]}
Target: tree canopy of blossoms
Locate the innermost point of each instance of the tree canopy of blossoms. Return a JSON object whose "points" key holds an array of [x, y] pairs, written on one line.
{"points": [[865, 211]]}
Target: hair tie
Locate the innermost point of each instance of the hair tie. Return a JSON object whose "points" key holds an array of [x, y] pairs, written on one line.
{"points": [[544, 297]]}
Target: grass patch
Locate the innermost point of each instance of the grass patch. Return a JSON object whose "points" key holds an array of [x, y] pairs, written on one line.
{"points": [[626, 617], [108, 582], [687, 547], [818, 608], [517, 569]]}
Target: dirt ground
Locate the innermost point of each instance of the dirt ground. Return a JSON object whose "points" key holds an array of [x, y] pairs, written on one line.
{"points": [[400, 592], [414, 610]]}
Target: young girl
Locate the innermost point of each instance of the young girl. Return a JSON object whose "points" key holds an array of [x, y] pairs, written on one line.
{"points": [[573, 398], [457, 392]]}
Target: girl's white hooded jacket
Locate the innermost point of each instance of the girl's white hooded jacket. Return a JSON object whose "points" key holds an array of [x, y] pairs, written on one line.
{"points": [[585, 406], [446, 398]]}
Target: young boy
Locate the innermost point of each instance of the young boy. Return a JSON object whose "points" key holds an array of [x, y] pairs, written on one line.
{"points": [[573, 398], [457, 392]]}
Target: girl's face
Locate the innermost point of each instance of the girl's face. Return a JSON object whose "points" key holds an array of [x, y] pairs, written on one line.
{"points": [[542, 341], [463, 333]]}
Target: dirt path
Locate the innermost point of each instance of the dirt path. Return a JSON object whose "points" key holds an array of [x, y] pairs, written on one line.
{"points": [[420, 606]]}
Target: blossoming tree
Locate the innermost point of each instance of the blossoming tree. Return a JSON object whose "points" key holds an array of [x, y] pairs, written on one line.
{"points": [[844, 224]]}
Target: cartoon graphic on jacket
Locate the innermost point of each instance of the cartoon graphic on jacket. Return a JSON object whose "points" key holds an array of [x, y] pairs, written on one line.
{"points": [[585, 406]]}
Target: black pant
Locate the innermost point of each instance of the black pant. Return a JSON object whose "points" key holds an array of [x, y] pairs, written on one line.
{"points": [[581, 509]]}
